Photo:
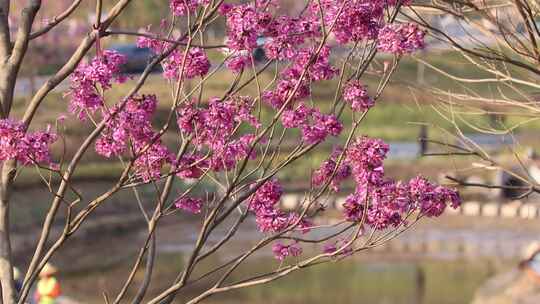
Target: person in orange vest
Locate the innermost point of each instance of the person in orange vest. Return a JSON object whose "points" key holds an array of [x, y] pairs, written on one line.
{"points": [[48, 288]]}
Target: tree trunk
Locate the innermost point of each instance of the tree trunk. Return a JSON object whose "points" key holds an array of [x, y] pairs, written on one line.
{"points": [[6, 263]]}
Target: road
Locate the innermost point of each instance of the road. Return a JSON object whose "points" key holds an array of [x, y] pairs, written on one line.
{"points": [[23, 88]]}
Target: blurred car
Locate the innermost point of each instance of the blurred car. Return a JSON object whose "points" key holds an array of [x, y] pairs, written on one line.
{"points": [[258, 53], [137, 58], [522, 30]]}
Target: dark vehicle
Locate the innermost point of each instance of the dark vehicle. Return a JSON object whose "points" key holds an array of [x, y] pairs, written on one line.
{"points": [[258, 53], [137, 58], [522, 29]]}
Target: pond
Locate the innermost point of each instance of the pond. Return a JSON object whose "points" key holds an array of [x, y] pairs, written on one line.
{"points": [[379, 282], [367, 279]]}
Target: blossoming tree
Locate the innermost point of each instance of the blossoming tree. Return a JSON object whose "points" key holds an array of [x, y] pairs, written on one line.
{"points": [[229, 140]]}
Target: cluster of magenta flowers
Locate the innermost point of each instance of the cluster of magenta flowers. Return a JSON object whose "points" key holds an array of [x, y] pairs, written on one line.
{"points": [[27, 148], [89, 78], [329, 171], [213, 128], [180, 64], [282, 251], [191, 64], [356, 94], [183, 7], [400, 38], [238, 62], [131, 127], [268, 215], [378, 201], [189, 204], [223, 131], [294, 83]]}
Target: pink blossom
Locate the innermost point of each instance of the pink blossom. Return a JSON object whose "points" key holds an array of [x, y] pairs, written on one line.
{"points": [[321, 127], [403, 38], [366, 156], [355, 93], [432, 199], [282, 251], [266, 196], [284, 92], [191, 205], [243, 27], [132, 122], [183, 7], [196, 63], [102, 72], [355, 20], [328, 170], [237, 63], [285, 35], [216, 123], [272, 220], [191, 165], [297, 117], [150, 161], [28, 148]]}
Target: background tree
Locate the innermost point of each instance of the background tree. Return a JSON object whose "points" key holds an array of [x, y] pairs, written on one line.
{"points": [[497, 48]]}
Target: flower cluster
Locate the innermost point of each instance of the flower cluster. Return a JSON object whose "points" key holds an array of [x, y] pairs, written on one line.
{"points": [[184, 7], [282, 251], [237, 63], [356, 94], [403, 38], [380, 202], [352, 20], [268, 216], [195, 64], [244, 25], [263, 203], [315, 126], [151, 157], [215, 126], [191, 165], [307, 67], [101, 72], [338, 247], [284, 38], [366, 156], [431, 199], [28, 148], [131, 126], [191, 205], [329, 171], [190, 63]]}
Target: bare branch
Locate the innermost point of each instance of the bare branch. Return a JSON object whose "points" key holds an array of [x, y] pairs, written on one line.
{"points": [[56, 20]]}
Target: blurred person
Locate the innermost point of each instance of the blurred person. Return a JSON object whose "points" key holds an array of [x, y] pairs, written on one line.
{"points": [[48, 288], [423, 140], [517, 285], [531, 263], [18, 279]]}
